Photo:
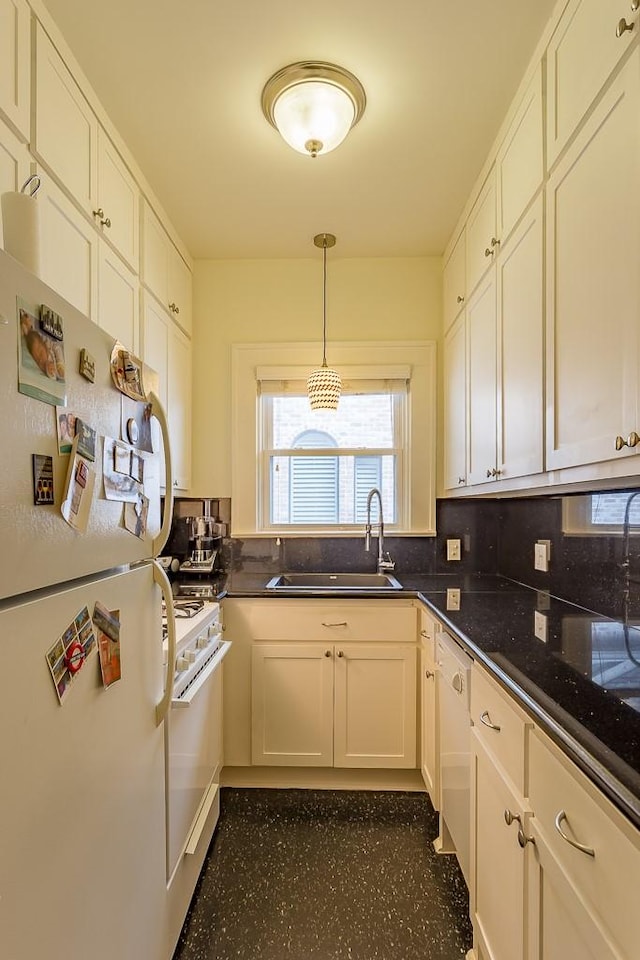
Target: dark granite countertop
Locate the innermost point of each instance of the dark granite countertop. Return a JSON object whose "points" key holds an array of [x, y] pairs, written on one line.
{"points": [[582, 686]]}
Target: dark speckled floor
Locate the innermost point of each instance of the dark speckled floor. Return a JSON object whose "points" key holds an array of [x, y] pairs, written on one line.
{"points": [[326, 875]]}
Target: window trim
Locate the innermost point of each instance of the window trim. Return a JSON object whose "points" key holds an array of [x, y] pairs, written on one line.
{"points": [[372, 360]]}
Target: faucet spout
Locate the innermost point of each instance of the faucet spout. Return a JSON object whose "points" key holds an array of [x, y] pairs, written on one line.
{"points": [[384, 560]]}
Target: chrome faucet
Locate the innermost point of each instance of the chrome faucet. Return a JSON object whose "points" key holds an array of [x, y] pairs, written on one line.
{"points": [[384, 560]]}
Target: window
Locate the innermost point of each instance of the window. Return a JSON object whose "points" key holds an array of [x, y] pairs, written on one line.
{"points": [[601, 513], [300, 471], [317, 467]]}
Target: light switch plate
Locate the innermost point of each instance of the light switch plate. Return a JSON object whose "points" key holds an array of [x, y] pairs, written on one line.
{"points": [[453, 549], [540, 625], [453, 598], [541, 557]]}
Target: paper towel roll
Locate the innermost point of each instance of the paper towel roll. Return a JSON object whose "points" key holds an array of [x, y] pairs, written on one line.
{"points": [[21, 227]]}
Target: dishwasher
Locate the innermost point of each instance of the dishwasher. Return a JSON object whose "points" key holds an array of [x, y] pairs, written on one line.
{"points": [[454, 685]]}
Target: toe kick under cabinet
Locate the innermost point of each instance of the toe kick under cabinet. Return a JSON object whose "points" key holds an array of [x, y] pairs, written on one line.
{"points": [[321, 683]]}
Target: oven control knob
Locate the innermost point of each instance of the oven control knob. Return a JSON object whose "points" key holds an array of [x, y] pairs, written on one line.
{"points": [[191, 656], [214, 629], [202, 641], [182, 664]]}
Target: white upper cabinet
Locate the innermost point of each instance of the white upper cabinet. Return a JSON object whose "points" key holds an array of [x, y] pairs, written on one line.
{"points": [[65, 128], [455, 405], [482, 380], [520, 161], [69, 249], [118, 298], [117, 209], [164, 272], [584, 49], [454, 280], [593, 283], [520, 291], [14, 165], [15, 67], [482, 241]]}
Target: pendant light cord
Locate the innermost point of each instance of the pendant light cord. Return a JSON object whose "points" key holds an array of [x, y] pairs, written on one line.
{"points": [[324, 303]]}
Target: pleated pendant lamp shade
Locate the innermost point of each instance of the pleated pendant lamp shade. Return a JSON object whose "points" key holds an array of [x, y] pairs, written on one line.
{"points": [[324, 384]]}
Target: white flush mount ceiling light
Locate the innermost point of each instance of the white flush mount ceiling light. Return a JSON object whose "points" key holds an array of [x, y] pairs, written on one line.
{"points": [[324, 384], [313, 105]]}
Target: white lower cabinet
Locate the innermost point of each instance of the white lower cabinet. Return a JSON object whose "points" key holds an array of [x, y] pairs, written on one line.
{"points": [[429, 750], [555, 866], [342, 705], [321, 682]]}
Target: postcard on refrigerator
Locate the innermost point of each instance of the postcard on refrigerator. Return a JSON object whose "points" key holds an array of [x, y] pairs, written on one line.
{"points": [[78, 493], [118, 485], [126, 372], [41, 368], [86, 439], [66, 427], [135, 516], [69, 653], [107, 624]]}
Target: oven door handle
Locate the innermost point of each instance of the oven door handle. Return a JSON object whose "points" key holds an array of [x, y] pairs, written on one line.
{"points": [[162, 580], [207, 671]]}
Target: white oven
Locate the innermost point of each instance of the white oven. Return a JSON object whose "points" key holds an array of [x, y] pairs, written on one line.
{"points": [[193, 731]]}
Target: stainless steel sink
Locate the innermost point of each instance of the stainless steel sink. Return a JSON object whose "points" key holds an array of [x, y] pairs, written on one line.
{"points": [[334, 582]]}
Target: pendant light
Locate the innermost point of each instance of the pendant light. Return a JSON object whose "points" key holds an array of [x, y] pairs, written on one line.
{"points": [[313, 105], [324, 384]]}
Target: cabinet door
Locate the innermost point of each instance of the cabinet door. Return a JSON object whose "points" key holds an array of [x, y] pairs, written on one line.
{"points": [[429, 753], [118, 199], [15, 61], [520, 279], [581, 55], [155, 256], [179, 406], [454, 282], [482, 373], [179, 290], [118, 299], [593, 284], [455, 404], [375, 705], [519, 164], [14, 163], [561, 924], [292, 704], [498, 862], [155, 346], [69, 249], [65, 129], [482, 242]]}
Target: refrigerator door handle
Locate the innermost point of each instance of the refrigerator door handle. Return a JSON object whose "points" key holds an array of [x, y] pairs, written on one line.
{"points": [[162, 580], [158, 411]]}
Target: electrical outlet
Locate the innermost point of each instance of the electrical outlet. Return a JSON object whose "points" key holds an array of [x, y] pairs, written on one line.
{"points": [[453, 598], [540, 625], [453, 549], [541, 556], [543, 600]]}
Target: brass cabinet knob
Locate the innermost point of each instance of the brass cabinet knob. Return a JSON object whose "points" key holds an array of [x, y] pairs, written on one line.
{"points": [[327, 653], [340, 653], [632, 441], [174, 308], [462, 480], [624, 27], [460, 299]]}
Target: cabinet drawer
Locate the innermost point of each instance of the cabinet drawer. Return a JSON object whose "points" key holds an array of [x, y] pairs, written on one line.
{"points": [[328, 620], [500, 726], [609, 880]]}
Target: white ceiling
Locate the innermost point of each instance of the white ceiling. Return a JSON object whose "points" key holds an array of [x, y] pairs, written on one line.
{"points": [[181, 81]]}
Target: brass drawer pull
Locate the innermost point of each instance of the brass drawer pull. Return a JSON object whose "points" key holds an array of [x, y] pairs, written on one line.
{"points": [[590, 852], [342, 623], [486, 720]]}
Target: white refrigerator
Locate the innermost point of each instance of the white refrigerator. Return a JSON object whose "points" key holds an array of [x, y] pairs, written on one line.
{"points": [[82, 789]]}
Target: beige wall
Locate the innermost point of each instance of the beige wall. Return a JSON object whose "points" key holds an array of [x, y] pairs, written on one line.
{"points": [[266, 301]]}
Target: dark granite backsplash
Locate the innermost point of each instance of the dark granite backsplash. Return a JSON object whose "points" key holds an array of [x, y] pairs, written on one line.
{"points": [[497, 537]]}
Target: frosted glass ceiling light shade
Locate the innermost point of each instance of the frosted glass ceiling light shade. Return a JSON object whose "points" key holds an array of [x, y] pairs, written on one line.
{"points": [[313, 105], [324, 384]]}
